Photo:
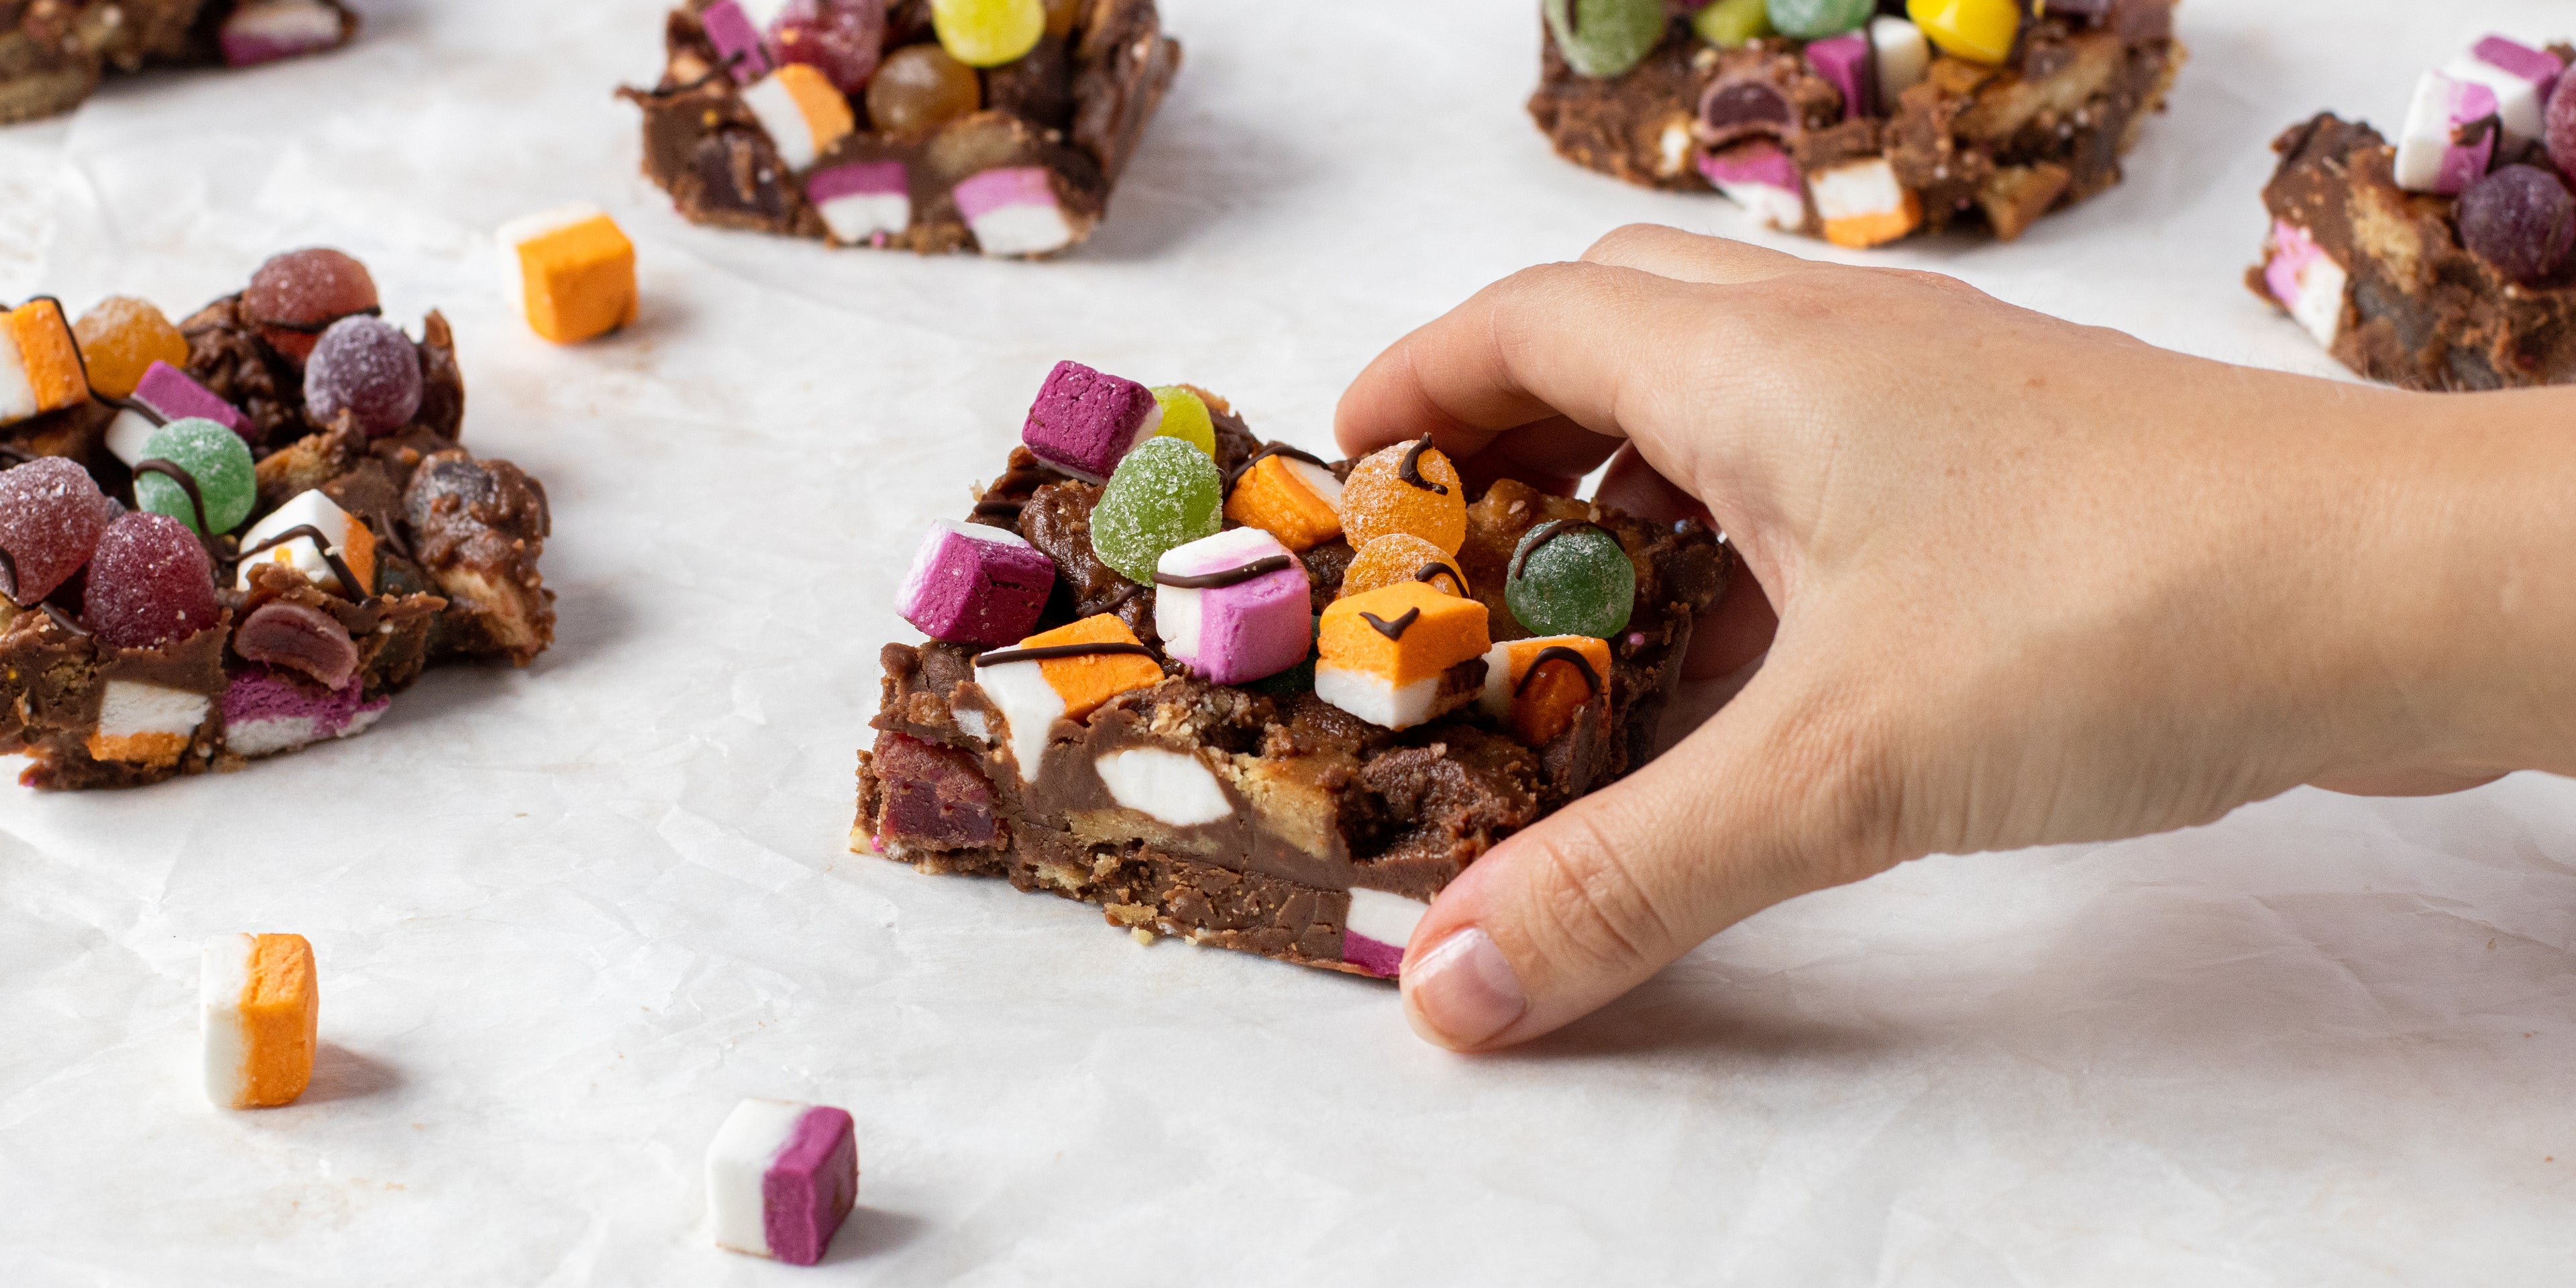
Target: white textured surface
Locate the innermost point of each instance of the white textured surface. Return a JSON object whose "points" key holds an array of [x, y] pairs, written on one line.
{"points": [[569, 916]]}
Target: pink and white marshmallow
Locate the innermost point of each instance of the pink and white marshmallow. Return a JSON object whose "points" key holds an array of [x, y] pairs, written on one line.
{"points": [[1376, 929], [264, 31], [1014, 211], [737, 38], [972, 583], [2519, 76], [781, 1177], [166, 394], [2448, 141], [1761, 178], [862, 201], [2306, 281], [1239, 630]]}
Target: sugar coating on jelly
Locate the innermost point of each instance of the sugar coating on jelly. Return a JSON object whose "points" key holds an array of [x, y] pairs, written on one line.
{"points": [[51, 517], [2520, 219], [367, 367], [150, 584], [295, 295], [1602, 38], [843, 39], [1166, 493], [1185, 417], [1410, 487], [1571, 579], [1818, 19], [213, 457], [120, 338], [1399, 557]]}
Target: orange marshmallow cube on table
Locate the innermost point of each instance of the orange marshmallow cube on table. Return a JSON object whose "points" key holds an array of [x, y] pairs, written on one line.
{"points": [[574, 270], [1382, 655], [1033, 693], [260, 1004]]}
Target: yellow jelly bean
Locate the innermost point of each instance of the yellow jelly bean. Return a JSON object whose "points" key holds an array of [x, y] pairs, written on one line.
{"points": [[1980, 31], [988, 33], [1185, 417], [1409, 487]]}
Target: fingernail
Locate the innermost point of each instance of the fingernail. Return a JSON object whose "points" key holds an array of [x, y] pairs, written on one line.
{"points": [[1463, 991]]}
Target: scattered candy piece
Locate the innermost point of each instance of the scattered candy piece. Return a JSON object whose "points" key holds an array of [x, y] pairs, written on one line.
{"points": [[166, 394], [367, 367], [150, 584], [2560, 125], [1410, 487], [261, 1005], [146, 724], [972, 583], [2306, 281], [121, 337], [843, 39], [295, 297], [1863, 204], [51, 516], [1604, 38], [299, 638], [988, 33], [2520, 219], [349, 541], [1845, 61], [921, 88], [1571, 578], [1232, 607], [1014, 211], [1383, 656], [1166, 493], [861, 199], [2445, 147], [781, 1176], [1294, 499], [1903, 57], [1101, 659], [575, 270], [263, 31], [1760, 177], [1981, 31], [1376, 929], [215, 460], [738, 41], [40, 363], [2519, 76], [1537, 685], [1401, 557], [1817, 19], [1185, 417], [1084, 421], [1731, 24], [803, 115], [267, 712]]}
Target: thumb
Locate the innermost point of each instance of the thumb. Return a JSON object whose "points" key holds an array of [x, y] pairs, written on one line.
{"points": [[1766, 801]]}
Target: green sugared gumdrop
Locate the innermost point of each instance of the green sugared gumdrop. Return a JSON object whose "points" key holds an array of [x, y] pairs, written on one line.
{"points": [[213, 456], [1730, 24], [1604, 38], [1817, 19], [1571, 583], [1166, 493], [1185, 417]]}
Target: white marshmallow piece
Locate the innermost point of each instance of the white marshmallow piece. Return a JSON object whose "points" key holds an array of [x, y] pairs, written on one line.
{"points": [[1386, 918], [1170, 786], [223, 971], [2426, 147], [1030, 707], [1376, 699], [2518, 101], [860, 216], [127, 433], [1858, 190], [306, 507], [764, 14], [1903, 57], [785, 122], [1496, 699], [737, 1159], [132, 709], [1316, 478], [17, 393], [1672, 148]]}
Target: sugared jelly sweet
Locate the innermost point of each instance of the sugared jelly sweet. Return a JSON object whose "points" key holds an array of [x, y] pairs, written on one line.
{"points": [[843, 39], [921, 88], [1730, 24], [1817, 19], [367, 367], [1570, 578], [1980, 31], [1604, 38], [294, 297], [1185, 417], [214, 459], [150, 583], [1402, 556], [1166, 493], [120, 338], [1409, 487], [2560, 128], [2520, 219], [988, 33], [51, 515]]}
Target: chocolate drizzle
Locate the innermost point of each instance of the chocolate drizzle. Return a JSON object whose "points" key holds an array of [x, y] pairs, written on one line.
{"points": [[1229, 577], [350, 589], [19, 455], [1393, 630], [187, 482], [1560, 653], [1541, 535], [317, 328], [1435, 570], [1410, 468], [64, 620], [1053, 652], [140, 408], [1275, 449]]}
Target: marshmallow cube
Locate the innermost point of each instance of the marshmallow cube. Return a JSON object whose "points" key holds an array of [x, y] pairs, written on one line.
{"points": [[1239, 633], [40, 363], [1014, 211], [2519, 76], [259, 1003], [1033, 695], [2433, 153], [1298, 502], [1382, 654], [267, 712], [1538, 710], [801, 111], [975, 584], [737, 40], [1844, 61], [2306, 281], [1376, 929], [861, 200], [1173, 787], [1903, 57], [574, 272], [1863, 204], [169, 394], [264, 31], [781, 1176], [146, 724], [1761, 178], [349, 539], [1084, 422]]}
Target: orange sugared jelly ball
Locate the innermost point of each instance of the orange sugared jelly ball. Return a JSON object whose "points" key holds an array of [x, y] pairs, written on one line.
{"points": [[1061, 15], [919, 87], [1411, 488], [1402, 556], [120, 338]]}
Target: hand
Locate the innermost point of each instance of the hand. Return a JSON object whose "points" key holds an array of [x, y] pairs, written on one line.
{"points": [[2034, 583]]}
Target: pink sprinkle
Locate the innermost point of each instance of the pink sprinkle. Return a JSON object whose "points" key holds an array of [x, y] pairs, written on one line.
{"points": [[1016, 186]]}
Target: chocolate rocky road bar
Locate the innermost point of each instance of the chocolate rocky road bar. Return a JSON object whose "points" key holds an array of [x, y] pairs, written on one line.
{"points": [[53, 52]]}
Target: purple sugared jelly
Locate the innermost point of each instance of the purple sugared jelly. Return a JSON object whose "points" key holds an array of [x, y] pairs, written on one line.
{"points": [[1085, 421], [974, 584], [2561, 125], [150, 583], [840, 38], [367, 367], [1845, 60], [2520, 219], [295, 295], [51, 517]]}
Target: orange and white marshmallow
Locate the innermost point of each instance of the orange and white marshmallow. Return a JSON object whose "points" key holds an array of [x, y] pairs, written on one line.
{"points": [[146, 724], [1863, 204], [1033, 695], [1540, 707], [349, 538], [802, 112], [40, 363], [1296, 501], [260, 1003], [1380, 655], [573, 271]]}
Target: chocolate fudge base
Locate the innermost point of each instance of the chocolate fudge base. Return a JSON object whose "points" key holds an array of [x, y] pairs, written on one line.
{"points": [[54, 52], [2419, 311]]}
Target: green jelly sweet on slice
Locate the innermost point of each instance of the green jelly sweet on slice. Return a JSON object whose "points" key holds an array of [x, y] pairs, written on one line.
{"points": [[1165, 493], [213, 457]]}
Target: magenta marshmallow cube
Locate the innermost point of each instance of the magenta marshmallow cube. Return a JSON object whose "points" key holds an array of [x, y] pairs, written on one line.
{"points": [[2450, 135], [975, 584], [737, 40], [781, 1177], [1084, 421], [1237, 624], [1845, 60]]}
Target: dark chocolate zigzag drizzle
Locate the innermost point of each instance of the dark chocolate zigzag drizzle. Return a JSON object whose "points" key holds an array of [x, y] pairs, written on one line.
{"points": [[1410, 468], [1547, 532], [317, 328], [140, 408], [350, 589], [1053, 652], [187, 482], [1560, 653], [1435, 570], [1229, 577], [1393, 630]]}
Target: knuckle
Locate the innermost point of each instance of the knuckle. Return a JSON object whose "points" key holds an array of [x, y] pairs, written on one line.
{"points": [[1593, 911], [1623, 238]]}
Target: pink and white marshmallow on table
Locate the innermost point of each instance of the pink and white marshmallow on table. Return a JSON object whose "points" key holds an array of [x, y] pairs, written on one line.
{"points": [[781, 1176]]}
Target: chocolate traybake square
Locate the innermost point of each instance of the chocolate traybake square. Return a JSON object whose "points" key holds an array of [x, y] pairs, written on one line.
{"points": [[53, 52], [1164, 680]]}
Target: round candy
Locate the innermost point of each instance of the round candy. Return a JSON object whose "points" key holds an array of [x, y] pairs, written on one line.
{"points": [[149, 584], [1731, 24], [295, 295], [1185, 417], [51, 515], [1605, 37], [1410, 487], [1817, 19], [840, 38], [1166, 493], [1061, 15], [120, 338], [1402, 556], [367, 367], [2561, 125], [1980, 31], [920, 88], [1571, 579], [214, 457], [2521, 220], [988, 33]]}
